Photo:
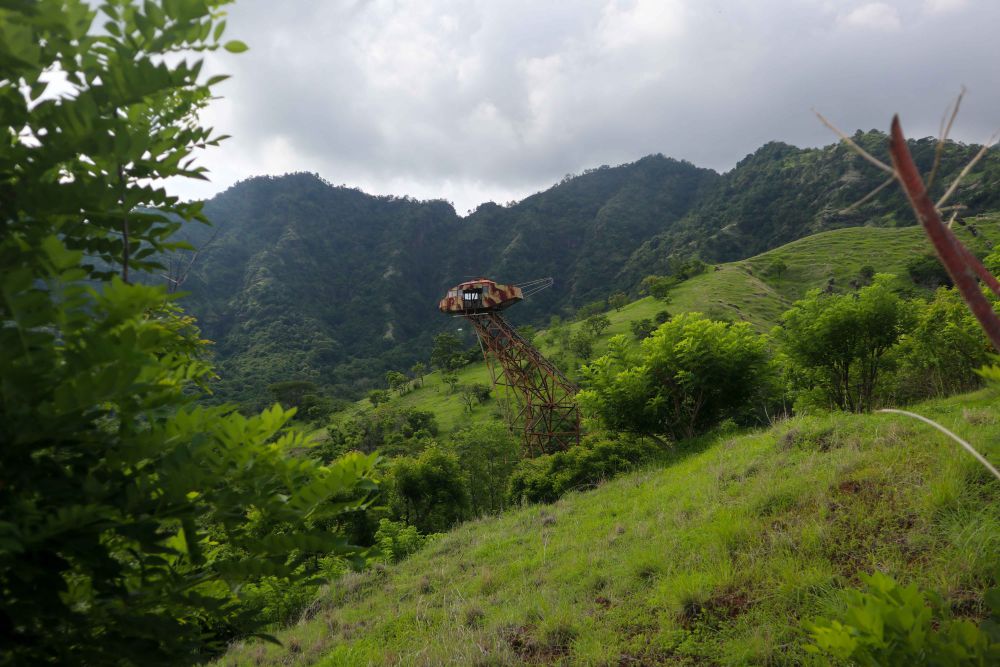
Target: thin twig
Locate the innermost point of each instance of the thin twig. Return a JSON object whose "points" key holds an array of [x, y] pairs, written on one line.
{"points": [[943, 137], [889, 181], [969, 448], [961, 264], [954, 184], [850, 142]]}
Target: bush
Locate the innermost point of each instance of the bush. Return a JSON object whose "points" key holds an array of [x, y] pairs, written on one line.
{"points": [[690, 374], [595, 459], [396, 540]]}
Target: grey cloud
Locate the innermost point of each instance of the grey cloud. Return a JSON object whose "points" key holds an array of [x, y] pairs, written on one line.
{"points": [[494, 99]]}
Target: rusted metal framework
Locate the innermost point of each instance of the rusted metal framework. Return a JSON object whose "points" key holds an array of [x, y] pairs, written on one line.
{"points": [[542, 396]]}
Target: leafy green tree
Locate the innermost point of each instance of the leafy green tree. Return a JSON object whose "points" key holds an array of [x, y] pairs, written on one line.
{"points": [[451, 380], [689, 375], [447, 354], [591, 309], [130, 516], [487, 453], [940, 355], [844, 339], [927, 271], [618, 300], [378, 396], [290, 394], [397, 382], [658, 287], [777, 268], [528, 333], [430, 491], [396, 541], [419, 369], [581, 343], [596, 324], [642, 328]]}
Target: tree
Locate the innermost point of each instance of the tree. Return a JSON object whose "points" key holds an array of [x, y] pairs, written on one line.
{"points": [[642, 328], [926, 271], [596, 324], [291, 393], [844, 339], [397, 382], [429, 491], [658, 287], [447, 354], [487, 453], [591, 309], [690, 374], [477, 392], [581, 343], [777, 268], [378, 397], [528, 333], [618, 300], [419, 369], [130, 515], [940, 355], [451, 380]]}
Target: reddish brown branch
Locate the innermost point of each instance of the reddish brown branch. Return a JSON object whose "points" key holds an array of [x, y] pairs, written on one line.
{"points": [[960, 263]]}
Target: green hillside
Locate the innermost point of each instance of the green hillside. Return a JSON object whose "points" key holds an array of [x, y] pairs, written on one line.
{"points": [[739, 290], [718, 558]]}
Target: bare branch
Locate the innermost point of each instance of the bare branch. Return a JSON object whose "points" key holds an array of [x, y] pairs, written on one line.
{"points": [[943, 137], [858, 149], [961, 264], [965, 171], [889, 181]]}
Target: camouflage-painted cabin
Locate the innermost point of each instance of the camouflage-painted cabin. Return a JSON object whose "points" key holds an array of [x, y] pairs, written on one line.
{"points": [[479, 296]]}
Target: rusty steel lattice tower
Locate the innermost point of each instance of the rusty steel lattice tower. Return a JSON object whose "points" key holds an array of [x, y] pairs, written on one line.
{"points": [[538, 396]]}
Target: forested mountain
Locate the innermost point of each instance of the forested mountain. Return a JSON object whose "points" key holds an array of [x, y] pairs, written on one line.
{"points": [[299, 279]]}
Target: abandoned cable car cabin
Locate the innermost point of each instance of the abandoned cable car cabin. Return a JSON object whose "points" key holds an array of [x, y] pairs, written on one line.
{"points": [[479, 296]]}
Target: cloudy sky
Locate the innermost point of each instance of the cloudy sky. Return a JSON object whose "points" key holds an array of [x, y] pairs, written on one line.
{"points": [[476, 100]]}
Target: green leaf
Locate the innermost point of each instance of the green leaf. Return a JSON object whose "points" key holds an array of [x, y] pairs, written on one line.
{"points": [[235, 46]]}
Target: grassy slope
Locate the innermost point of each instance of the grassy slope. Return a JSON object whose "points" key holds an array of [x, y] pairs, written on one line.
{"points": [[718, 558], [740, 290]]}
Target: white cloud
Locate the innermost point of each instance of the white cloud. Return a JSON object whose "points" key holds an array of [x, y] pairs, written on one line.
{"points": [[943, 6], [875, 15]]}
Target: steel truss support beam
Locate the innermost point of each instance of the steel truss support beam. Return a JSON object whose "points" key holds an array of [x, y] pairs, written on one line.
{"points": [[542, 402]]}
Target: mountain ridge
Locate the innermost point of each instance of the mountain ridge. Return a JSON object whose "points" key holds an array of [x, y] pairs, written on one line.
{"points": [[300, 279]]}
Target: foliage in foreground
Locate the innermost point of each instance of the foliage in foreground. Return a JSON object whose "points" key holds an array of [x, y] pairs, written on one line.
{"points": [[130, 517], [895, 626]]}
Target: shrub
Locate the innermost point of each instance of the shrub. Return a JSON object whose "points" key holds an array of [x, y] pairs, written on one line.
{"points": [[545, 478], [396, 540], [690, 374]]}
